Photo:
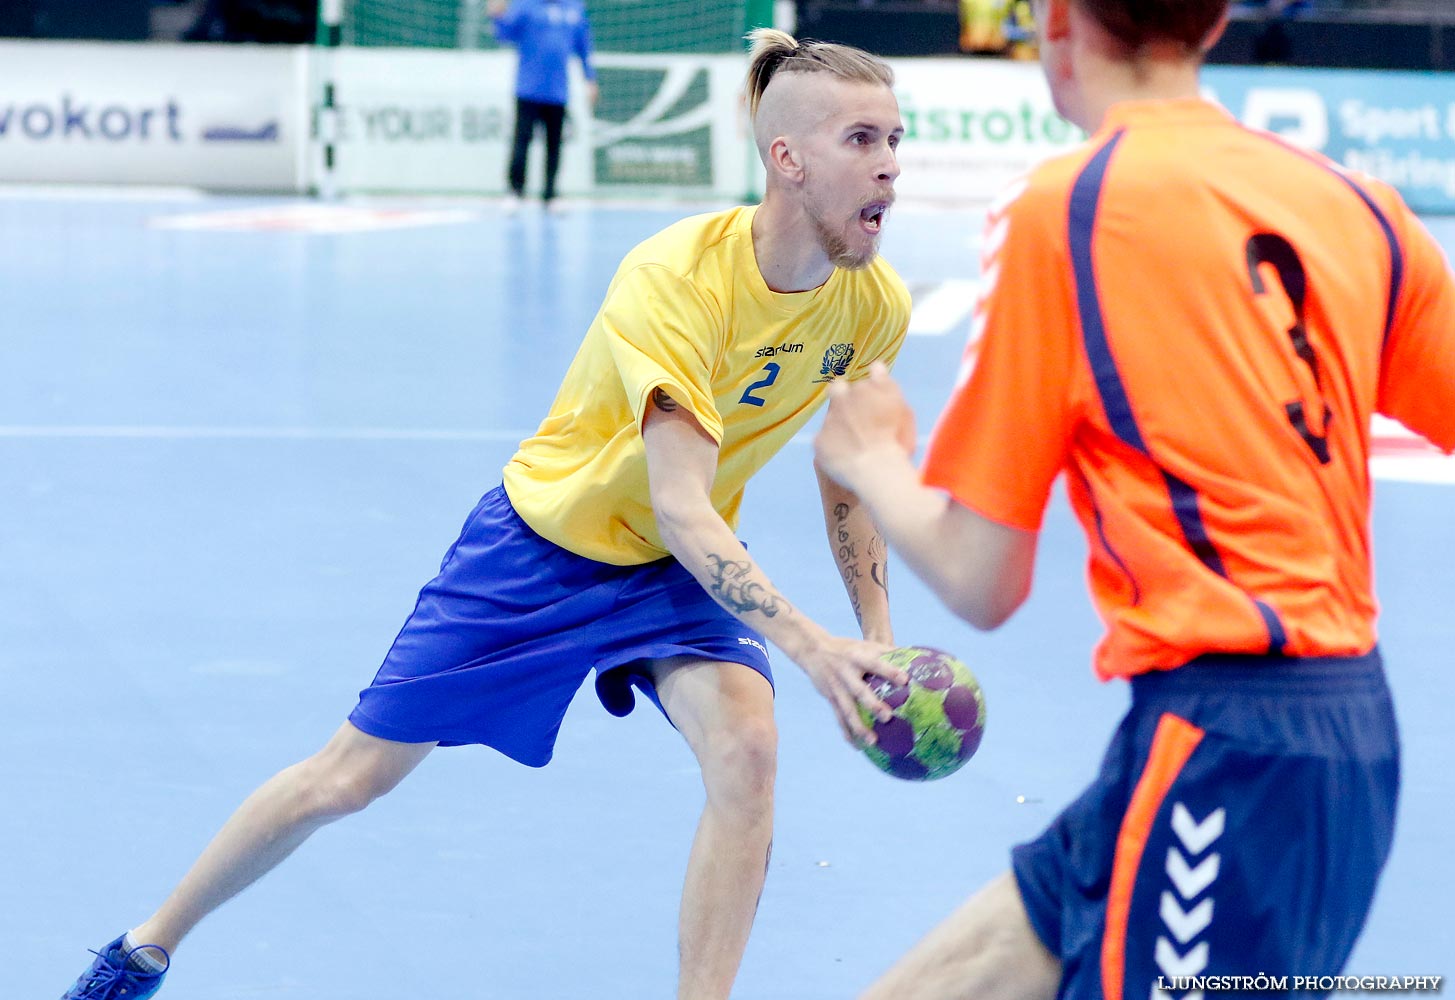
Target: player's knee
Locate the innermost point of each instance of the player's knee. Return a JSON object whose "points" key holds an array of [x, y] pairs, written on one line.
{"points": [[742, 762], [352, 792], [340, 788]]}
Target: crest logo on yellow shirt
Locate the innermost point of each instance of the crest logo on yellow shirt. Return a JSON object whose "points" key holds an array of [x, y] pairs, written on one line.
{"points": [[836, 362]]}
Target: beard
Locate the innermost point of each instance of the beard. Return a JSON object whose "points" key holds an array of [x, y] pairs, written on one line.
{"points": [[839, 253], [838, 250]]}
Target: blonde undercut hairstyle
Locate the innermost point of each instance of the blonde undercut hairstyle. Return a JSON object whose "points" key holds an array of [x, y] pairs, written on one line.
{"points": [[774, 52]]}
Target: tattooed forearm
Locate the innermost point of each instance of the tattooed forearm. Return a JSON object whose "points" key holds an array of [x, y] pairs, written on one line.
{"points": [[879, 562], [861, 554], [855, 603], [662, 401], [847, 553], [733, 585]]}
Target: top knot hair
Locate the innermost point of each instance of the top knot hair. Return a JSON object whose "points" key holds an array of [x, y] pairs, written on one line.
{"points": [[774, 52]]}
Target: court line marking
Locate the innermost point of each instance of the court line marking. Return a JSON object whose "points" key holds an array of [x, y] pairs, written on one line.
{"points": [[943, 307], [90, 192], [1393, 458], [141, 432], [309, 217], [161, 432]]}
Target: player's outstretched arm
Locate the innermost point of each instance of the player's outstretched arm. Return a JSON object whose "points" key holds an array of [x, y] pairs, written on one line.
{"points": [[681, 464], [981, 570], [861, 556]]}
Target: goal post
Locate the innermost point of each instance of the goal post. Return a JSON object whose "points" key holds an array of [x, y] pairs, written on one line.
{"points": [[416, 96], [616, 25]]}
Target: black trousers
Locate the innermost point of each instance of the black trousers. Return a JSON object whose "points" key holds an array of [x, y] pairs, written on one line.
{"points": [[527, 114]]}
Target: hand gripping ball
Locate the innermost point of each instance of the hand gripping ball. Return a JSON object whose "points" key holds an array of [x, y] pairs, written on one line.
{"points": [[939, 716]]}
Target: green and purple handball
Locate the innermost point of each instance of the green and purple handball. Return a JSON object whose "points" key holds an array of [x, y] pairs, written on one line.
{"points": [[939, 716]]}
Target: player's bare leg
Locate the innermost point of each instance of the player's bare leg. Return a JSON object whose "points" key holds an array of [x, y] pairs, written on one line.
{"points": [[350, 772], [986, 950], [725, 712]]}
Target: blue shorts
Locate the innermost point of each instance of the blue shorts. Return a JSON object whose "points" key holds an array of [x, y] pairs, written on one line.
{"points": [[500, 641], [1239, 824]]}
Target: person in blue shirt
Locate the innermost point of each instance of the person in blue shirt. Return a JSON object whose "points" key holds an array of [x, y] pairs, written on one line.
{"points": [[545, 34]]}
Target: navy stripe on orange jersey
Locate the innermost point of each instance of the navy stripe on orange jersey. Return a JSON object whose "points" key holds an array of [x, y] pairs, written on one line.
{"points": [[1277, 637], [1101, 536], [1085, 199], [1396, 255]]}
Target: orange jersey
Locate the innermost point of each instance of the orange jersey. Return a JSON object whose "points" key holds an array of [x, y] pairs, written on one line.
{"points": [[1196, 322]]}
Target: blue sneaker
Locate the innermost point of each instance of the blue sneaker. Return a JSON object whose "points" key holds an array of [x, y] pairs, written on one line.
{"points": [[110, 978]]}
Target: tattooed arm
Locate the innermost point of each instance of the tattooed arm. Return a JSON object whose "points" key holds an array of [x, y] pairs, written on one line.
{"points": [[681, 465], [979, 568], [861, 556]]}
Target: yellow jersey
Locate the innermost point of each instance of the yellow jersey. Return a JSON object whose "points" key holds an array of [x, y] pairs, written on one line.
{"points": [[689, 312]]}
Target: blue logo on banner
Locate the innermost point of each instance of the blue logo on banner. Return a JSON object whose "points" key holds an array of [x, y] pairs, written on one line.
{"points": [[1398, 127], [267, 132]]}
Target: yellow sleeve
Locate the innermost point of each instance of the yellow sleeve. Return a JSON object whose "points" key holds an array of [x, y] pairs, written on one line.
{"points": [[663, 334], [887, 336]]}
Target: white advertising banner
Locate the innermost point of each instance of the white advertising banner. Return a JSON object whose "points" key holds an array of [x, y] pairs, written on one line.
{"points": [[971, 126], [224, 117], [440, 121], [675, 124], [236, 118], [433, 121]]}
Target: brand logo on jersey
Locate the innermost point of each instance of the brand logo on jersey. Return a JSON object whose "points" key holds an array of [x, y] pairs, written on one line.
{"points": [[768, 352], [836, 362], [745, 641], [557, 14], [1184, 952]]}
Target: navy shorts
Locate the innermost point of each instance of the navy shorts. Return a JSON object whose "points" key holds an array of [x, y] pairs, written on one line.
{"points": [[1239, 824], [501, 640]]}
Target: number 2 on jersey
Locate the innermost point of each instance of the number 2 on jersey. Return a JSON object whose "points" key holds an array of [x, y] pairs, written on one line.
{"points": [[1270, 248], [772, 368]]}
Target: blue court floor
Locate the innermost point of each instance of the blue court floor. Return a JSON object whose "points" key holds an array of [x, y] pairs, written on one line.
{"points": [[236, 436]]}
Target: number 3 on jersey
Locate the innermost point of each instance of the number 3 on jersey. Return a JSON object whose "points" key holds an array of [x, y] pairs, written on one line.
{"points": [[771, 369], [1270, 248]]}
